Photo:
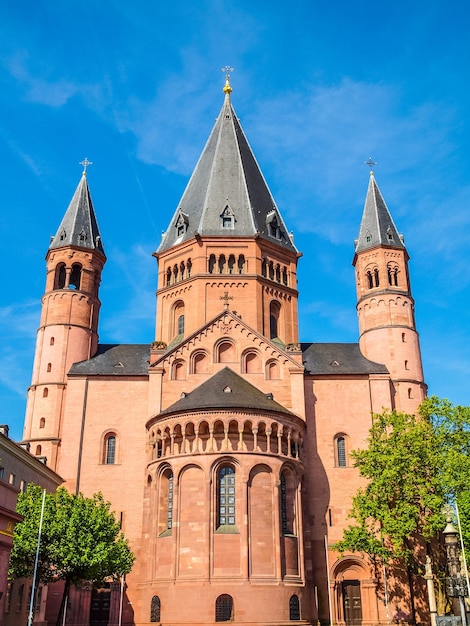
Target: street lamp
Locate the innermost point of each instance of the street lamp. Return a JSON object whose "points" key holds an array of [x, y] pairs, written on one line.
{"points": [[456, 586]]}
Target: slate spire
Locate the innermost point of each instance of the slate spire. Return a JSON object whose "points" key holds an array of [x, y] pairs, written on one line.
{"points": [[227, 194], [79, 226], [377, 226]]}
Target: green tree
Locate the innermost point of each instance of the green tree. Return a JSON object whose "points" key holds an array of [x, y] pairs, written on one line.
{"points": [[413, 466], [80, 540]]}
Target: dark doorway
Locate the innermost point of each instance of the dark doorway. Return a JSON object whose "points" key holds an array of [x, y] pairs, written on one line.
{"points": [[99, 609], [352, 602]]}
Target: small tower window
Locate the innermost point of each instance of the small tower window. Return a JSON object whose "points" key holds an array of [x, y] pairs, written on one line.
{"points": [[42, 422], [181, 224], [59, 279], [274, 314], [389, 234], [38, 450], [75, 276], [228, 219], [273, 225], [45, 392], [51, 342], [49, 367], [241, 264]]}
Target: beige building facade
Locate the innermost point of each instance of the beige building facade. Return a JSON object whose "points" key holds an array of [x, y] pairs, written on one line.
{"points": [[224, 443]]}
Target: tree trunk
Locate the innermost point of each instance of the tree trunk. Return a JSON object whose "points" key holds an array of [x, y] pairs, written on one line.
{"points": [[63, 602], [412, 594]]}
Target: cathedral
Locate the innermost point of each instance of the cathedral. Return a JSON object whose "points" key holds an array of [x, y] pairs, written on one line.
{"points": [[224, 444]]}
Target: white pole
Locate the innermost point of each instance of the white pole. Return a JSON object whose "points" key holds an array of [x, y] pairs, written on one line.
{"points": [[120, 601], [462, 550], [65, 609], [31, 603], [328, 577]]}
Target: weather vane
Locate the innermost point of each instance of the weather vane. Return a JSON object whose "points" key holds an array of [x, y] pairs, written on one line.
{"points": [[371, 163], [85, 164]]}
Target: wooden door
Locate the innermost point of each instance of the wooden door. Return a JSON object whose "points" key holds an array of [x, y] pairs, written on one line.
{"points": [[352, 602], [99, 609]]}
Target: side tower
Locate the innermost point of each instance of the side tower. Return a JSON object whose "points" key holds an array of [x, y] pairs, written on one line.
{"points": [[227, 241], [68, 330], [385, 305]]}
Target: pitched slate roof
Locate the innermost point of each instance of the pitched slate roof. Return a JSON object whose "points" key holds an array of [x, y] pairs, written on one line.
{"points": [[227, 180], [115, 360], [79, 226], [226, 390], [337, 358], [377, 227]]}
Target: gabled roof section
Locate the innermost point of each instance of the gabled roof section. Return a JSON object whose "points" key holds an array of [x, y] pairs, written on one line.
{"points": [[115, 360], [227, 174], [226, 390], [337, 359], [79, 226], [377, 227], [223, 320]]}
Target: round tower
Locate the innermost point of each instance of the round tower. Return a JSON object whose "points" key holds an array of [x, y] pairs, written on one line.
{"points": [[68, 330], [385, 305]]}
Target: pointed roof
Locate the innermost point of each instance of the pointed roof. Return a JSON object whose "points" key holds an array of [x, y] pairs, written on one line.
{"points": [[227, 193], [79, 226], [377, 227], [226, 390]]}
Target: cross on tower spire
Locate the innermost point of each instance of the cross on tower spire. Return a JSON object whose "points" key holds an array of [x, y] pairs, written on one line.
{"points": [[85, 164]]}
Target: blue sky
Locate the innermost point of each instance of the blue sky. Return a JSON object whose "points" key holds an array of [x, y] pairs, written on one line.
{"points": [[319, 87]]}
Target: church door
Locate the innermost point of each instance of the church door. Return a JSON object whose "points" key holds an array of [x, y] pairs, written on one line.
{"points": [[352, 602], [99, 609]]}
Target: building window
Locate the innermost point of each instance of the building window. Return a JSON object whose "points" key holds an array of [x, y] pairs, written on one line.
{"points": [[49, 367], [227, 217], [2, 472], [341, 452], [294, 608], [110, 449], [42, 422], [59, 279], [12, 478], [155, 608], [45, 392], [38, 450], [287, 502], [226, 496], [274, 314], [181, 325], [224, 608]]}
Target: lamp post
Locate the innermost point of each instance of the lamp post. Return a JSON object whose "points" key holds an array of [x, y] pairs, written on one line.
{"points": [[455, 583]]}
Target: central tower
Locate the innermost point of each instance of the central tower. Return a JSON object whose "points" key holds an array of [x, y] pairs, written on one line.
{"points": [[227, 244]]}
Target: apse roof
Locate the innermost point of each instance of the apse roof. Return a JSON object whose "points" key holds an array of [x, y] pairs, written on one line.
{"points": [[226, 390], [227, 194], [79, 226]]}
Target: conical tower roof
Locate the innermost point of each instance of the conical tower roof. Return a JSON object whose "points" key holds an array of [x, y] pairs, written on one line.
{"points": [[227, 194], [377, 226], [79, 226]]}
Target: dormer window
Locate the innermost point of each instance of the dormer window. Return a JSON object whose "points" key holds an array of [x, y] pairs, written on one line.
{"points": [[228, 218], [389, 234], [273, 224], [181, 224], [368, 237]]}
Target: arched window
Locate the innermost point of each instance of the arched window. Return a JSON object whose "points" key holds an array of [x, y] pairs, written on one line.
{"points": [[221, 263], [42, 422], [224, 608], [45, 392], [226, 352], [181, 325], [59, 279], [75, 276], [241, 263], [211, 264], [251, 362], [49, 367], [294, 608], [340, 444], [178, 318], [109, 449], [38, 450], [226, 496], [155, 609], [273, 371], [287, 502], [51, 342], [274, 313], [165, 504], [376, 277]]}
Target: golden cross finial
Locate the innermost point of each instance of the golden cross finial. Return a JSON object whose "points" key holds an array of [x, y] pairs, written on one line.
{"points": [[85, 164], [226, 297], [228, 70]]}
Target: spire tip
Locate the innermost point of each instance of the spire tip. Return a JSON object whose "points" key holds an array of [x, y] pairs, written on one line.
{"points": [[227, 87]]}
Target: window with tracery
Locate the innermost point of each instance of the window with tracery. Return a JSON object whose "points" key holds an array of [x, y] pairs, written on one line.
{"points": [[226, 496], [294, 608]]}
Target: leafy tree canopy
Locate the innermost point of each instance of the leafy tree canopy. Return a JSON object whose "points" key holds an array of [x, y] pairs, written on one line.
{"points": [[80, 539], [413, 466]]}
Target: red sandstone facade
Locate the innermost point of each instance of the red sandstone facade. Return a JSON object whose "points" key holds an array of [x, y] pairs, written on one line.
{"points": [[223, 445]]}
